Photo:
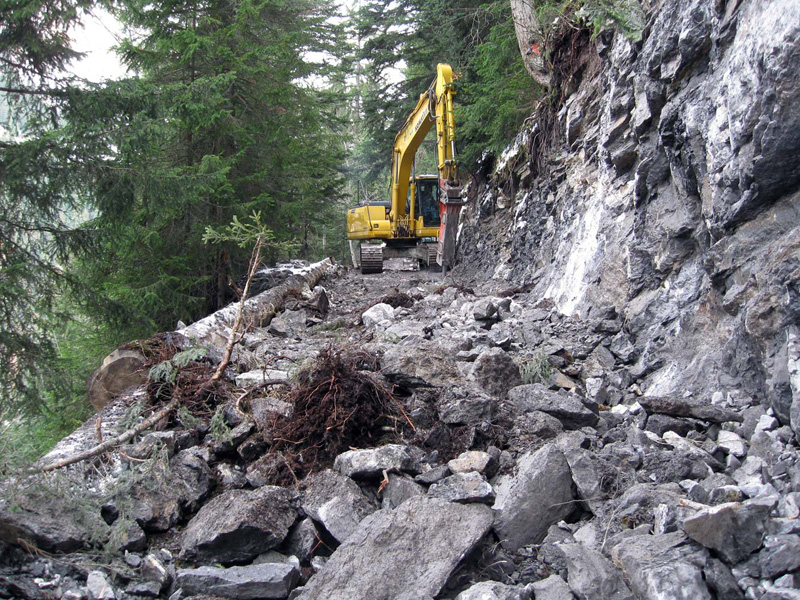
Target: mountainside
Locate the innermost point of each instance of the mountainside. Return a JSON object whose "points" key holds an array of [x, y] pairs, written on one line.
{"points": [[663, 186]]}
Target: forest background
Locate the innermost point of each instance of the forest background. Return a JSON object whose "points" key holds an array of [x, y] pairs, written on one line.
{"points": [[286, 108]]}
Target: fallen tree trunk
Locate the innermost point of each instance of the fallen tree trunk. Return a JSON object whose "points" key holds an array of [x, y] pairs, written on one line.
{"points": [[258, 311], [214, 330], [211, 331]]}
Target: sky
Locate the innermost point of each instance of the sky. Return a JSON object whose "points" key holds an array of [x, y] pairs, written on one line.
{"points": [[96, 38]]}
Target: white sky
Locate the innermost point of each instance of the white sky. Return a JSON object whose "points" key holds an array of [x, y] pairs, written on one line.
{"points": [[96, 39]]}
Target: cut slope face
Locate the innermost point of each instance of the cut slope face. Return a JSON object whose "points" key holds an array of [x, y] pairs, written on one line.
{"points": [[671, 193]]}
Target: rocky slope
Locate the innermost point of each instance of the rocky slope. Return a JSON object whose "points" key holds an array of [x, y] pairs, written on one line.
{"points": [[669, 195], [489, 471]]}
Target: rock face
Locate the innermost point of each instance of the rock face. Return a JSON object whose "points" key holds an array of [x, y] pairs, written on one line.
{"points": [[238, 525], [404, 554], [671, 196]]}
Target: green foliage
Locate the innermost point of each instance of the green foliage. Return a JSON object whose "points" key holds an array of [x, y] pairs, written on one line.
{"points": [[625, 16], [218, 427], [246, 234], [187, 419], [536, 369], [500, 95], [165, 373], [184, 357]]}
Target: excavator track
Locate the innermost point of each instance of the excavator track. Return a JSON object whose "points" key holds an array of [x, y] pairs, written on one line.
{"points": [[371, 259]]}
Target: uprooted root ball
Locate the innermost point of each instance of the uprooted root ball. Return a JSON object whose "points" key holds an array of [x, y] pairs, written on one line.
{"points": [[338, 404]]}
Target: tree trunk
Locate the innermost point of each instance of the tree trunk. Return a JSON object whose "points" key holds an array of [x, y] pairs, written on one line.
{"points": [[531, 40]]}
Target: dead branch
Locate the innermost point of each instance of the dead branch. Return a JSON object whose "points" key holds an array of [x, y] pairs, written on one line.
{"points": [[113, 442]]}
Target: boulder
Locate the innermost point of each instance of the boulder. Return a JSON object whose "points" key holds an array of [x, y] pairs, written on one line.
{"points": [[375, 314], [423, 364], [303, 539], [474, 460], [491, 590], [403, 554], [484, 310], [463, 487], [681, 407], [571, 410], [654, 564], [552, 588], [733, 530], [496, 372], [335, 501], [238, 525], [781, 555], [268, 580], [165, 496], [399, 489], [458, 406], [40, 517], [373, 462], [99, 587], [266, 410], [289, 324], [591, 575], [539, 495]]}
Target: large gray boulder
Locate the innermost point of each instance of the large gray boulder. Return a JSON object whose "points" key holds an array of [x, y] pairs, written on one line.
{"points": [[238, 525], [592, 576], [423, 364], [573, 411], [459, 406], [403, 554], [163, 498], [552, 588], [496, 372], [663, 567], [463, 487], [41, 518], [539, 495], [372, 462], [268, 580], [492, 590], [734, 530], [335, 501]]}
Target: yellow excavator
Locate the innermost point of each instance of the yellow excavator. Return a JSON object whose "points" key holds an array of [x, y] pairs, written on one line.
{"points": [[421, 217]]}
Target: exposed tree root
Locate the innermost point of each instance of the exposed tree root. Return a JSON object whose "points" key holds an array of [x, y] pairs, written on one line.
{"points": [[338, 404]]}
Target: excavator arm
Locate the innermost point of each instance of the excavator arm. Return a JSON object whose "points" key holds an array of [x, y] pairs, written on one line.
{"points": [[433, 106]]}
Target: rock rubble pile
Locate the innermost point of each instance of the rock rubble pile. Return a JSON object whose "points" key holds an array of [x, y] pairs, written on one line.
{"points": [[528, 465]]}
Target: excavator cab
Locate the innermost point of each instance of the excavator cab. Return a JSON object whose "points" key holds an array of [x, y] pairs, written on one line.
{"points": [[427, 203]]}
